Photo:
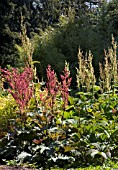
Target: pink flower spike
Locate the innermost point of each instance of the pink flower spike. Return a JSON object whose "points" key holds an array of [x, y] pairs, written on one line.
{"points": [[65, 84], [19, 83]]}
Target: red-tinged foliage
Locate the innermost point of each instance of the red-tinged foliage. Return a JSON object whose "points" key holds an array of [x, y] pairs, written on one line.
{"points": [[115, 111], [37, 141]]}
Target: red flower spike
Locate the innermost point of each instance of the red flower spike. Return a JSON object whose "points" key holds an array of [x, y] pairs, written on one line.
{"points": [[66, 81], [52, 86], [19, 85]]}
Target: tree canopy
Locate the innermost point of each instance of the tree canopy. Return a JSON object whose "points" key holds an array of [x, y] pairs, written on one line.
{"points": [[59, 28]]}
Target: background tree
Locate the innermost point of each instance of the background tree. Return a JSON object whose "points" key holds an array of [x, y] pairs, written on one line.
{"points": [[90, 30], [61, 27], [10, 27], [7, 33]]}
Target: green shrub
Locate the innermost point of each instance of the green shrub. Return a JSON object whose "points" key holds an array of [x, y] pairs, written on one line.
{"points": [[8, 110]]}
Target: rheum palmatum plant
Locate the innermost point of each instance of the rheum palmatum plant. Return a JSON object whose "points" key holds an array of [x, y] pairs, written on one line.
{"points": [[52, 82], [109, 72], [52, 87], [55, 89], [20, 85], [65, 84], [26, 49], [85, 72], [49, 95]]}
